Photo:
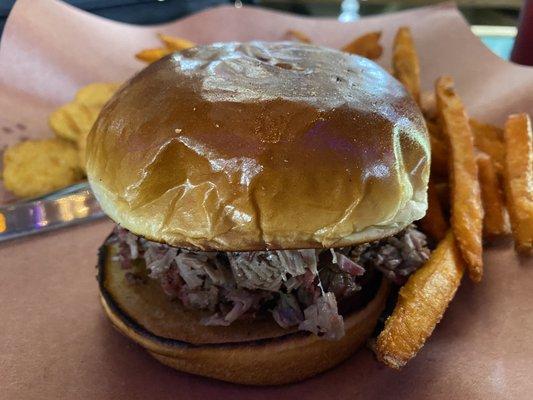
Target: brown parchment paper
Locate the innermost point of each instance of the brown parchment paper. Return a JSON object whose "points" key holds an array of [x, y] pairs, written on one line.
{"points": [[56, 343]]}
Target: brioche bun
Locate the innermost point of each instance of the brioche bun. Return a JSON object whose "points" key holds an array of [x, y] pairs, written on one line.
{"points": [[255, 352], [249, 146]]}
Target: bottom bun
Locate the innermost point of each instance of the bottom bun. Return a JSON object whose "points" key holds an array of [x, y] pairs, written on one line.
{"points": [[254, 352]]}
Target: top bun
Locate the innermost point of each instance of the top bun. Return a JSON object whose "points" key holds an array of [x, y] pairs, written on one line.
{"points": [[261, 145]]}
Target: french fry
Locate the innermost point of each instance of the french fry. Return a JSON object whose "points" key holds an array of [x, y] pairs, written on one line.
{"points": [[366, 45], [405, 64], [152, 55], [439, 149], [428, 105], [518, 179], [434, 130], [442, 189], [421, 305], [467, 211], [175, 43], [434, 223], [299, 36], [439, 156], [489, 139], [171, 44], [495, 221]]}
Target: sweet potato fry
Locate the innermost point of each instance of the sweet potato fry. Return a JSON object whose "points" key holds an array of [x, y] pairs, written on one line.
{"points": [[366, 45], [405, 64], [495, 221], [421, 305], [518, 179], [434, 223], [489, 139], [152, 55], [294, 35], [175, 43], [467, 211]]}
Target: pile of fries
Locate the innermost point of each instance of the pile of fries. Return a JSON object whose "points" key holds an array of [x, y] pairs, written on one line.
{"points": [[479, 174], [480, 185]]}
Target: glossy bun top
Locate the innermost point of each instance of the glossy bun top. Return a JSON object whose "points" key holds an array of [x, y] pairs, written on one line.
{"points": [[261, 145]]}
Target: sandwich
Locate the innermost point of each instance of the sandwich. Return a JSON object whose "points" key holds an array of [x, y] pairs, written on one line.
{"points": [[264, 195]]}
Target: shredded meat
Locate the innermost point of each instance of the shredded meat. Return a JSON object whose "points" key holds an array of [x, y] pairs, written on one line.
{"points": [[298, 287]]}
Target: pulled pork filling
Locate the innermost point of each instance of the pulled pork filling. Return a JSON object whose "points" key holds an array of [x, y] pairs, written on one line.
{"points": [[298, 287]]}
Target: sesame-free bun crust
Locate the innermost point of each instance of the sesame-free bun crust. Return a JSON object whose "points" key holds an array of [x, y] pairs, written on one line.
{"points": [[247, 146], [255, 352]]}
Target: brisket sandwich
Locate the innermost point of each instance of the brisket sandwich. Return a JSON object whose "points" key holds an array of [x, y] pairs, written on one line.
{"points": [[264, 196]]}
